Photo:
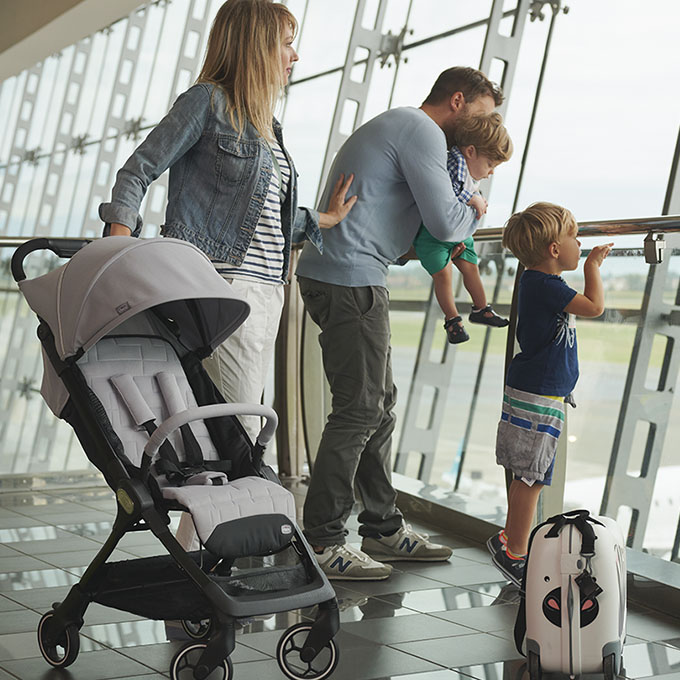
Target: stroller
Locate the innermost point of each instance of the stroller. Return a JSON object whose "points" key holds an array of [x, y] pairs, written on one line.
{"points": [[123, 327]]}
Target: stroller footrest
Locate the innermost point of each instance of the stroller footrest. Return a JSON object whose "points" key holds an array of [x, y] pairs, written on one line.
{"points": [[271, 590]]}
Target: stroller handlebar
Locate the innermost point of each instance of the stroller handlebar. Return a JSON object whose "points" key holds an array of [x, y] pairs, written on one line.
{"points": [[213, 411], [62, 247]]}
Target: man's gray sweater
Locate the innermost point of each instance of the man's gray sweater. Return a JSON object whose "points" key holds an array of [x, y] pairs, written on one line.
{"points": [[399, 163]]}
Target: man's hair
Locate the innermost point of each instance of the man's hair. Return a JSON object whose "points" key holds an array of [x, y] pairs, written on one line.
{"points": [[243, 58], [487, 134], [471, 82], [529, 233]]}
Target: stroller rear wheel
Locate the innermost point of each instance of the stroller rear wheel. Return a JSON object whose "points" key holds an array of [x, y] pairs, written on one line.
{"points": [[186, 661], [59, 647], [197, 630], [289, 655]]}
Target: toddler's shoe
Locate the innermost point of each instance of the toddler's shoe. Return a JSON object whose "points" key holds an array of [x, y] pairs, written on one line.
{"points": [[455, 331], [405, 544], [488, 317]]}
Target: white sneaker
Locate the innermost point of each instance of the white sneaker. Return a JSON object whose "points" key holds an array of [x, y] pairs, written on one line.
{"points": [[405, 544], [343, 562]]}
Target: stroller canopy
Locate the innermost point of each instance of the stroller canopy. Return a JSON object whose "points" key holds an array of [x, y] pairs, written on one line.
{"points": [[112, 279]]}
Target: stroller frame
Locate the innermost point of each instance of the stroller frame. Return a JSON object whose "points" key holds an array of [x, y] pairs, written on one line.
{"points": [[137, 510]]}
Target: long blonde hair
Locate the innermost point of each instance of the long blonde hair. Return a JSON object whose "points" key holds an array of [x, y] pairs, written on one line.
{"points": [[243, 58]]}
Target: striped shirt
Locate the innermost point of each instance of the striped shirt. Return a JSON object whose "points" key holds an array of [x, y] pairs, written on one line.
{"points": [[264, 258]]}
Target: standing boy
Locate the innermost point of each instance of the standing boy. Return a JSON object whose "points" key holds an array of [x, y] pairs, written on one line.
{"points": [[481, 143], [543, 374]]}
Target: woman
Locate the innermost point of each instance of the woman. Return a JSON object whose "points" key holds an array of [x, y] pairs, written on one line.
{"points": [[233, 187]]}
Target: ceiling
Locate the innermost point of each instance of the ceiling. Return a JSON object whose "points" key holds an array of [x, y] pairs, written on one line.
{"points": [[31, 31]]}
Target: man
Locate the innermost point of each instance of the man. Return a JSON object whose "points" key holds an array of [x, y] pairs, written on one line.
{"points": [[401, 180]]}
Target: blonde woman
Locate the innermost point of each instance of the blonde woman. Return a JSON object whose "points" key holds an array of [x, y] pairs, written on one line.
{"points": [[233, 187]]}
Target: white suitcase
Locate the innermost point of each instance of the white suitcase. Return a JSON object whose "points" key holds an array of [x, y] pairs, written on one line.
{"points": [[573, 612]]}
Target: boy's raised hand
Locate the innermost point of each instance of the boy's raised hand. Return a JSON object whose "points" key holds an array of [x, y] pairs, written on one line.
{"points": [[598, 254]]}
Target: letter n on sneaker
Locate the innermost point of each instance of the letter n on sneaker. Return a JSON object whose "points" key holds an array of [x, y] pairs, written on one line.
{"points": [[405, 544], [343, 562], [340, 564]]}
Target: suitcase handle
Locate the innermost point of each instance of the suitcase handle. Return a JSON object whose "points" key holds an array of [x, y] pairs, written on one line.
{"points": [[583, 521]]}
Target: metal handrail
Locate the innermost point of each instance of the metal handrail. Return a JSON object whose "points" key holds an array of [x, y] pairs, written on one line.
{"points": [[666, 224]]}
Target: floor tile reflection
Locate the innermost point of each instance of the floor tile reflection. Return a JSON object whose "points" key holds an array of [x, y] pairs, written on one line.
{"points": [[450, 621]]}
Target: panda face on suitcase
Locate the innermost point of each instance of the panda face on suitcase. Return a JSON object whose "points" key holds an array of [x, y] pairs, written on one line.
{"points": [[552, 608]]}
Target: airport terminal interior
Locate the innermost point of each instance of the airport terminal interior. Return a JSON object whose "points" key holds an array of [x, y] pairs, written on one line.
{"points": [[82, 82]]}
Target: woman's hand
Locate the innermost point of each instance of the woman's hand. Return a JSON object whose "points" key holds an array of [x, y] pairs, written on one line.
{"points": [[337, 206], [119, 230]]}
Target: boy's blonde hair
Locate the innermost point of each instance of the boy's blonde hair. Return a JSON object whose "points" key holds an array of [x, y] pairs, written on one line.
{"points": [[243, 58], [529, 233], [487, 134]]}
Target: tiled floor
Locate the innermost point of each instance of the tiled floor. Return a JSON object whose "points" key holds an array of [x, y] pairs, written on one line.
{"points": [[427, 622]]}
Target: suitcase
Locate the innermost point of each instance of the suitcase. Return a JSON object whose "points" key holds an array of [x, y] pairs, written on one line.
{"points": [[573, 606]]}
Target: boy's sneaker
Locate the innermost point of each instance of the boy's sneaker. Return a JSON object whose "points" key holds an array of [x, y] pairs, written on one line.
{"points": [[405, 544], [513, 570], [488, 317], [343, 562], [494, 543]]}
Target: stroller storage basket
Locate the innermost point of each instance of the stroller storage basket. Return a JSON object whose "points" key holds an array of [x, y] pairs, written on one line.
{"points": [[156, 588]]}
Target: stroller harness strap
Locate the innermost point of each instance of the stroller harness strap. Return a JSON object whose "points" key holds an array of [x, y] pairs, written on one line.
{"points": [[194, 470], [175, 404], [141, 414]]}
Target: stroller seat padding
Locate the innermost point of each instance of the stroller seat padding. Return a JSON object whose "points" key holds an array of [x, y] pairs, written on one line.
{"points": [[143, 359], [138, 378], [212, 506]]}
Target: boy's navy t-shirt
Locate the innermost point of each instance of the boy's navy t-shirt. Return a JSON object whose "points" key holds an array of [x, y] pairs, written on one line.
{"points": [[548, 361]]}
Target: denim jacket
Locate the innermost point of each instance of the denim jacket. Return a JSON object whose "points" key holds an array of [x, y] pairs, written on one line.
{"points": [[218, 180]]}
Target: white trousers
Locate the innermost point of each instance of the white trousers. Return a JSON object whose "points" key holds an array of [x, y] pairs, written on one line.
{"points": [[239, 366]]}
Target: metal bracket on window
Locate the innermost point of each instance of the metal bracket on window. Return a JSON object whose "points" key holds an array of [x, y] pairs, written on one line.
{"points": [[654, 245], [78, 144], [26, 388], [133, 128], [32, 156], [536, 9], [392, 46]]}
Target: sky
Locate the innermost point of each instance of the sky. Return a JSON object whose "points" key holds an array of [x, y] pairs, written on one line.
{"points": [[609, 110]]}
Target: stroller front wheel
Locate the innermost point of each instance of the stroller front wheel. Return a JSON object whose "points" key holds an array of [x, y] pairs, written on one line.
{"points": [[289, 655], [59, 647], [187, 659]]}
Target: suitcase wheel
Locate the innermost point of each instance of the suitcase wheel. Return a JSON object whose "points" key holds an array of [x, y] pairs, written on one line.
{"points": [[609, 667], [534, 666]]}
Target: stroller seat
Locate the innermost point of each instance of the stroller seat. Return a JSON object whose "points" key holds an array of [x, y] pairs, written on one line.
{"points": [[140, 379]]}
